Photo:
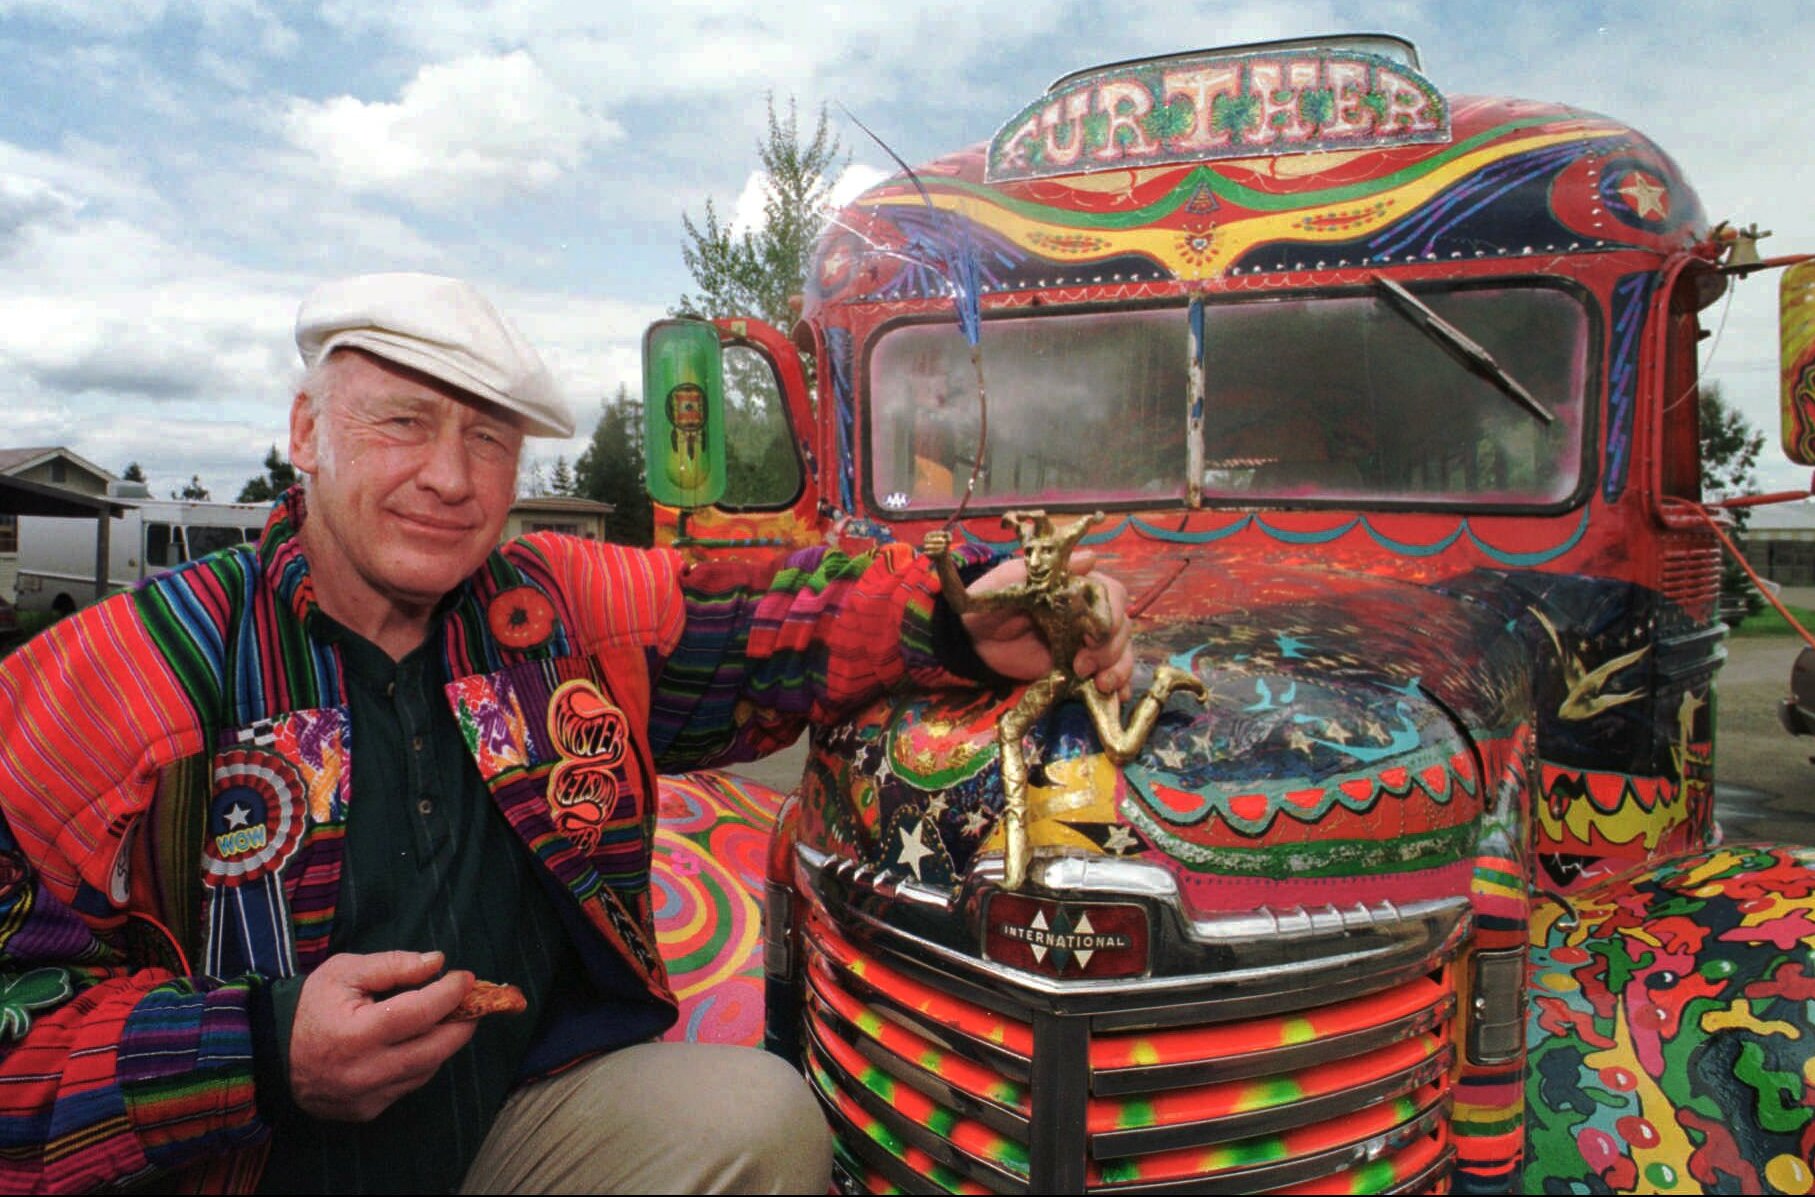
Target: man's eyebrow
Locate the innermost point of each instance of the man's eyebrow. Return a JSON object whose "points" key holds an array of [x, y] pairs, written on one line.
{"points": [[394, 401], [499, 421]]}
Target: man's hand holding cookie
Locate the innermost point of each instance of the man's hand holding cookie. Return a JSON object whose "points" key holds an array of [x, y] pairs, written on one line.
{"points": [[353, 1053]]}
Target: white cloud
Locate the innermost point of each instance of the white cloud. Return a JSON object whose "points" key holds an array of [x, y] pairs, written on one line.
{"points": [[119, 18], [661, 52], [591, 346], [748, 215], [158, 230], [477, 127], [82, 170], [852, 182], [27, 201]]}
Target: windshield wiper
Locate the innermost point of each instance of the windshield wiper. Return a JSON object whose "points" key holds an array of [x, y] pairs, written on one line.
{"points": [[1474, 358]]}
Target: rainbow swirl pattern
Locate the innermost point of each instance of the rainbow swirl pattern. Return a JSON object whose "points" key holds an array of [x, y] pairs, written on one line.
{"points": [[709, 853]]}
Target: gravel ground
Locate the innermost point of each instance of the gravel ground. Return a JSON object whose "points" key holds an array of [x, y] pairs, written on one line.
{"points": [[1764, 777]]}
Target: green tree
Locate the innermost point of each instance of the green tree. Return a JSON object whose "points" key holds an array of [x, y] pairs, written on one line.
{"points": [[760, 272], [610, 470], [561, 481], [133, 472], [279, 476], [757, 272], [193, 490], [1730, 446]]}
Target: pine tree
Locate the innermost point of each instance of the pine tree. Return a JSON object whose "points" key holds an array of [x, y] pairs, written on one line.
{"points": [[561, 481], [1730, 446], [755, 272], [133, 472], [758, 272], [193, 490], [279, 476], [532, 480], [611, 470]]}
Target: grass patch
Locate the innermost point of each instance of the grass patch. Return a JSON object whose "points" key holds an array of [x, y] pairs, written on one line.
{"points": [[33, 622], [1769, 623], [30, 624]]}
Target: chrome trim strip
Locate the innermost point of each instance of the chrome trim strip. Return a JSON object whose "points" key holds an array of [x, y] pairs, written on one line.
{"points": [[1147, 1140], [1116, 1082], [870, 1153], [1300, 1171], [977, 1051], [923, 927], [992, 1114], [1061, 1104], [778, 932], [1438, 1169], [943, 1151]]}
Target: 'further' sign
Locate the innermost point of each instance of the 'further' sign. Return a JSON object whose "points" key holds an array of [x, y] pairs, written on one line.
{"points": [[1193, 108]]}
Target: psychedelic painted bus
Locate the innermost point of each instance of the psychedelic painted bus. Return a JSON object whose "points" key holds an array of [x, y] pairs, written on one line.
{"points": [[1388, 398]]}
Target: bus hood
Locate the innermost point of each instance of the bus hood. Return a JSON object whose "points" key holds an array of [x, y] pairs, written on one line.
{"points": [[1361, 739]]}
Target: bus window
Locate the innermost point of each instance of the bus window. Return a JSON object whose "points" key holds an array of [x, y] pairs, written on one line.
{"points": [[204, 539], [160, 550]]}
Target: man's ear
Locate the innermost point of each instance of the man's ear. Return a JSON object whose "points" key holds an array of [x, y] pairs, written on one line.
{"points": [[304, 424]]}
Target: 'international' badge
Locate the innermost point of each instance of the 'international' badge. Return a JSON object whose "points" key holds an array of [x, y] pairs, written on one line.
{"points": [[256, 817]]}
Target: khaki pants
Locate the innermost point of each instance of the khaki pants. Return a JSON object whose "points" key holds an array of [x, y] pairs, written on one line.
{"points": [[660, 1118]]}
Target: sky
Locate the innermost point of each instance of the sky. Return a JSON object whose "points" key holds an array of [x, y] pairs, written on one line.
{"points": [[176, 174]]}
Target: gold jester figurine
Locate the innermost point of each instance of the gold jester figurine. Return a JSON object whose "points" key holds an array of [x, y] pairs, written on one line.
{"points": [[1068, 610]]}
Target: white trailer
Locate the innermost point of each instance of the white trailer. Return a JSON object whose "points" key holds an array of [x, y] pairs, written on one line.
{"points": [[58, 556]]}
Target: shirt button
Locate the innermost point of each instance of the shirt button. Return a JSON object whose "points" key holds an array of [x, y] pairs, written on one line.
{"points": [[390, 689], [416, 743], [425, 807]]}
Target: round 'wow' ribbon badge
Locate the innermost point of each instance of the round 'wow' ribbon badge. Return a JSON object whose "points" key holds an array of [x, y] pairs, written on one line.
{"points": [[256, 817]]}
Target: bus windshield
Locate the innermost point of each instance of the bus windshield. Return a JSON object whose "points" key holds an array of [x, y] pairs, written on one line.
{"points": [[1331, 398]]}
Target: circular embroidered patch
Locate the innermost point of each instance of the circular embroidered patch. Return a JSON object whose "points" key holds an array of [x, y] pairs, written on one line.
{"points": [[256, 817], [521, 617]]}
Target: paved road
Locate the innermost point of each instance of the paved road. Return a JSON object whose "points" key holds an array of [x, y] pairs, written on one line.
{"points": [[1764, 779]]}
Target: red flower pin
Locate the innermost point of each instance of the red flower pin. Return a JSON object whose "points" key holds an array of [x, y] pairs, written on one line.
{"points": [[521, 617]]}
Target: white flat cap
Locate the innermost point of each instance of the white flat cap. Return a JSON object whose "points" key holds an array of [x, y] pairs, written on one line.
{"points": [[442, 327]]}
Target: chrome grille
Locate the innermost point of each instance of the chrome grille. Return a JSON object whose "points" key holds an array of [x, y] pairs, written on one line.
{"points": [[936, 1084], [1691, 572]]}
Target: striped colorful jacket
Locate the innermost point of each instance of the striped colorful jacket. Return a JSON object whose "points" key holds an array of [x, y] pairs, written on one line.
{"points": [[175, 769]]}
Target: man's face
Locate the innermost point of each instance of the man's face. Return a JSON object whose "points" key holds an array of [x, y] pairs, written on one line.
{"points": [[411, 481]]}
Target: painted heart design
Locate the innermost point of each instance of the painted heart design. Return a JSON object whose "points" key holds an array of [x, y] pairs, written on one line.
{"points": [[584, 725]]}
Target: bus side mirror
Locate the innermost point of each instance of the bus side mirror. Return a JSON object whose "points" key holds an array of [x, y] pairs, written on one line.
{"points": [[683, 413], [1796, 329]]}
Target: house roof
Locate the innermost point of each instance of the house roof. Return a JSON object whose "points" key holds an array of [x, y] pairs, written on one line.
{"points": [[19, 497], [562, 503], [14, 461], [1782, 517]]}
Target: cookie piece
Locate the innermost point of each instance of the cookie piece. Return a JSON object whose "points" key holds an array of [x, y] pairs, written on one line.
{"points": [[488, 997]]}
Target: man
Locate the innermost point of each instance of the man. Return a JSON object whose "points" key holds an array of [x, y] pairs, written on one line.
{"points": [[268, 816]]}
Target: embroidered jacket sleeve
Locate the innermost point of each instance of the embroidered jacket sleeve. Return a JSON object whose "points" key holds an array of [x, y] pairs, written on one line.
{"points": [[110, 1067], [741, 656]]}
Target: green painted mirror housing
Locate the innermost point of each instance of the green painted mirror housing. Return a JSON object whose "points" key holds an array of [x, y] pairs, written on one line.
{"points": [[683, 413]]}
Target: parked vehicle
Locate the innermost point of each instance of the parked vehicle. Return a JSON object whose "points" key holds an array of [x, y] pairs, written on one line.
{"points": [[1388, 396], [1797, 712], [57, 554]]}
